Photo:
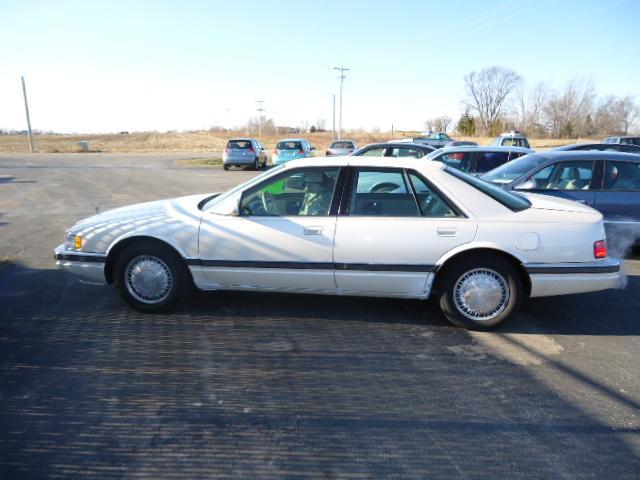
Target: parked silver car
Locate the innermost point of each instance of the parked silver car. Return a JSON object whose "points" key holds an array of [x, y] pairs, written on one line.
{"points": [[244, 152], [341, 147], [511, 139]]}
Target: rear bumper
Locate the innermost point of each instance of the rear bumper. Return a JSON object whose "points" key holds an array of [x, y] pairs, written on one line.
{"points": [[549, 279], [88, 267], [238, 161]]}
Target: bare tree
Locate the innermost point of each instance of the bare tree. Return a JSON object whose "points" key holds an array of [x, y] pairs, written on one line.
{"points": [[569, 110], [488, 91], [627, 111], [438, 124]]}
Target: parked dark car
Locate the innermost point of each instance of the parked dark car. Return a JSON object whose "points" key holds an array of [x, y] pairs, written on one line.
{"points": [[394, 149], [477, 160], [628, 140], [606, 181], [603, 147]]}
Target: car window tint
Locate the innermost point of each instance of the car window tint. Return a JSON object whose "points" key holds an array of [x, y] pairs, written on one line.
{"points": [[289, 146], [239, 144], [375, 152], [383, 193], [430, 202], [460, 160], [621, 176], [565, 176], [303, 192], [405, 152], [486, 161]]}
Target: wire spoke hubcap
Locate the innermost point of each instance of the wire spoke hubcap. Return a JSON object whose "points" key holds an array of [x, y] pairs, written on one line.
{"points": [[481, 294], [148, 279]]}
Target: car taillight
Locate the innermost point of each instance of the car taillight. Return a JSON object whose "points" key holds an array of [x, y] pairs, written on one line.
{"points": [[301, 151], [600, 249], [457, 156], [251, 150]]}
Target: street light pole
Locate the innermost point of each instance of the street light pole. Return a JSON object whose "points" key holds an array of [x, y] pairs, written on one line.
{"points": [[260, 109], [341, 77], [26, 107]]}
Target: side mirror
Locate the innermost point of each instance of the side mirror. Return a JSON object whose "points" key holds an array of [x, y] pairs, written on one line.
{"points": [[528, 184], [312, 147]]}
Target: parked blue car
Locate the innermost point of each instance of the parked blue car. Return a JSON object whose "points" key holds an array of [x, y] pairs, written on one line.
{"points": [[606, 181], [291, 149]]}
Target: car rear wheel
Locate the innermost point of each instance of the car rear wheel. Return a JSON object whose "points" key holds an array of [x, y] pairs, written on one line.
{"points": [[151, 277], [480, 293], [226, 167]]}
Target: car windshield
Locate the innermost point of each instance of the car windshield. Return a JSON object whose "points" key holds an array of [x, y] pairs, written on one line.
{"points": [[512, 170], [510, 200], [341, 145], [289, 145], [248, 183]]}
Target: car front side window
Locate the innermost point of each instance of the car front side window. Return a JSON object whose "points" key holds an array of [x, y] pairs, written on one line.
{"points": [[300, 192], [564, 176]]}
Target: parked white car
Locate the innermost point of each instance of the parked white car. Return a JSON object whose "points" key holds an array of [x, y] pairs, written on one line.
{"points": [[387, 227]]}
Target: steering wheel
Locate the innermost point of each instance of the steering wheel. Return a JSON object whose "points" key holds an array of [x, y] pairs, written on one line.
{"points": [[383, 187], [268, 202]]}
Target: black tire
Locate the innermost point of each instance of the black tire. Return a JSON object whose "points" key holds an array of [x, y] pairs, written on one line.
{"points": [[226, 167], [256, 165], [502, 294], [159, 257]]}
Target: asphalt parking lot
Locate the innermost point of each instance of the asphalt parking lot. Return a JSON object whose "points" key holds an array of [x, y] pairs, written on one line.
{"points": [[241, 385]]}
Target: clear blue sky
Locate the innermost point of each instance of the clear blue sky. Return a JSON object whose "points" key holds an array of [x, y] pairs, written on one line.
{"points": [[116, 65]]}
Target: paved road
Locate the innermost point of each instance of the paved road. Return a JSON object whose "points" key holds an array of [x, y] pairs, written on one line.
{"points": [[243, 385]]}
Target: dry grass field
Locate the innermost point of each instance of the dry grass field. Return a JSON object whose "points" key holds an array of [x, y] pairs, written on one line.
{"points": [[207, 141]]}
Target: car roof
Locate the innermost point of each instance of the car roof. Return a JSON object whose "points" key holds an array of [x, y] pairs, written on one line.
{"points": [[512, 134], [348, 160], [561, 155], [292, 140], [483, 148], [398, 144], [243, 139]]}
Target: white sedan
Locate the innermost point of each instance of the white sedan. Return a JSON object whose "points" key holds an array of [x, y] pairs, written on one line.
{"points": [[350, 226]]}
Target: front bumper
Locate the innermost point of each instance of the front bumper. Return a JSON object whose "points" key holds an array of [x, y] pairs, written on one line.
{"points": [[88, 267], [549, 279]]}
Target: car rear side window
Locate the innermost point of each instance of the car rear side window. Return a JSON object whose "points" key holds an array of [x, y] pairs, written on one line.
{"points": [[382, 193], [621, 176], [486, 161], [512, 201]]}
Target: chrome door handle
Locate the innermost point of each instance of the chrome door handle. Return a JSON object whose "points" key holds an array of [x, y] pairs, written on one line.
{"points": [[447, 232], [312, 230]]}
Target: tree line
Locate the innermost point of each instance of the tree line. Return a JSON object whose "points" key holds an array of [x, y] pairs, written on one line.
{"points": [[498, 99]]}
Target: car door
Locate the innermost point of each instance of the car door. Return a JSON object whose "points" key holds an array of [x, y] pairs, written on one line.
{"points": [[393, 227], [618, 199], [572, 179], [282, 238]]}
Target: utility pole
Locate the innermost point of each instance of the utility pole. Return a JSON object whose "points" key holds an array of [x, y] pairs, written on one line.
{"points": [[341, 77], [26, 107], [260, 109], [334, 116]]}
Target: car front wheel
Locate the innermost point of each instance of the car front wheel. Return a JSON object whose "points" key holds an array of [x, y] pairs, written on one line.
{"points": [[479, 294], [151, 278]]}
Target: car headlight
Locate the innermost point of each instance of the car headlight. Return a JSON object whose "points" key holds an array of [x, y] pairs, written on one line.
{"points": [[74, 242]]}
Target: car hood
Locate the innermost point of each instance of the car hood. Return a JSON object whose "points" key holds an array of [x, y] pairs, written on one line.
{"points": [[149, 210], [546, 202]]}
